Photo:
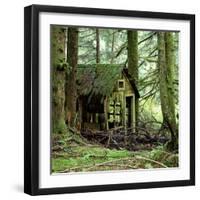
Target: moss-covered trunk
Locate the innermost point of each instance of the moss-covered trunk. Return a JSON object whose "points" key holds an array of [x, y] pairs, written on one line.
{"points": [[133, 63], [166, 66], [71, 91], [58, 78]]}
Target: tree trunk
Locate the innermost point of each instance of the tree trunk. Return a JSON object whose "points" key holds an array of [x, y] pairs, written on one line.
{"points": [[58, 78], [166, 65], [133, 63], [112, 47], [71, 91], [97, 46]]}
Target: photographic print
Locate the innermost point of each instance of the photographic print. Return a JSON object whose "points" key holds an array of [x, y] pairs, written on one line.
{"points": [[115, 102], [109, 99]]}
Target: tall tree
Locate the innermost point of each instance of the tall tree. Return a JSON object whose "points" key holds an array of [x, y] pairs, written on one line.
{"points": [[112, 47], [166, 62], [97, 46], [71, 91], [133, 62], [58, 78]]}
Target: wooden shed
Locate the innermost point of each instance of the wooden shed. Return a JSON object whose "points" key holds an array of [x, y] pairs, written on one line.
{"points": [[106, 97]]}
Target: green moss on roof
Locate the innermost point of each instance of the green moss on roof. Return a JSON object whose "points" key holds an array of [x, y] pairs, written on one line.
{"points": [[97, 79]]}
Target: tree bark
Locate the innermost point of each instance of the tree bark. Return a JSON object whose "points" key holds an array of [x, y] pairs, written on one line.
{"points": [[58, 78], [133, 63], [71, 91], [166, 65]]}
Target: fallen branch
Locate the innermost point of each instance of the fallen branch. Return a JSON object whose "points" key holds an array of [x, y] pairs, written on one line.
{"points": [[117, 165], [96, 165], [154, 161]]}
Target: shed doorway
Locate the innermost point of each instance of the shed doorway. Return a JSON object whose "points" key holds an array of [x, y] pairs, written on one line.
{"points": [[129, 111]]}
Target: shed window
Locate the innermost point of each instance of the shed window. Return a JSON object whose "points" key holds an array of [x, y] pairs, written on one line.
{"points": [[121, 84]]}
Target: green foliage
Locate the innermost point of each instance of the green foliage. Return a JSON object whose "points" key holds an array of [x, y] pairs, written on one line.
{"points": [[151, 113], [167, 158], [111, 42]]}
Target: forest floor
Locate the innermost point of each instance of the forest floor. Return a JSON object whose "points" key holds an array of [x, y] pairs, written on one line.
{"points": [[73, 153]]}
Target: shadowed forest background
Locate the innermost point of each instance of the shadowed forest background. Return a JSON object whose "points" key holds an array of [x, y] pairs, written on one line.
{"points": [[114, 99]]}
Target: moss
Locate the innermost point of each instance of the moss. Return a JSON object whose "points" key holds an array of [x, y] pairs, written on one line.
{"points": [[59, 126], [58, 69], [166, 65], [86, 156], [91, 158], [98, 78]]}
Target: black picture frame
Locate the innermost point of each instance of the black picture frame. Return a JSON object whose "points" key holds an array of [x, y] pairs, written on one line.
{"points": [[31, 98]]}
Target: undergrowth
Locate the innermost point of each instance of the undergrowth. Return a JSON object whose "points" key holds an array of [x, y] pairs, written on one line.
{"points": [[72, 153]]}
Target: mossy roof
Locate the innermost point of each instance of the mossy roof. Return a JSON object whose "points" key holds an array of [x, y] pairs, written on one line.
{"points": [[99, 79]]}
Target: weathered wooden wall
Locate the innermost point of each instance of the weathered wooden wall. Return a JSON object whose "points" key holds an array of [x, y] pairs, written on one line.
{"points": [[119, 95]]}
